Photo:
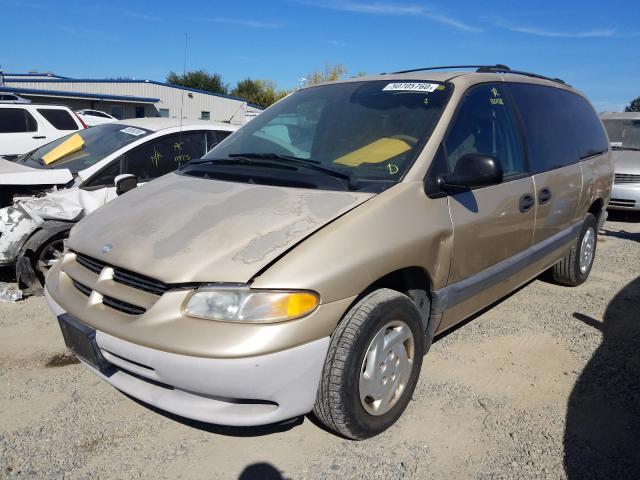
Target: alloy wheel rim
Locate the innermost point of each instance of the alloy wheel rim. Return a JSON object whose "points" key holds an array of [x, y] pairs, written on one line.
{"points": [[587, 248], [386, 368]]}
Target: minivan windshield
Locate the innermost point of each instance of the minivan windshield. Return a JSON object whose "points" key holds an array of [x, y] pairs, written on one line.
{"points": [[364, 133], [95, 143], [623, 133]]}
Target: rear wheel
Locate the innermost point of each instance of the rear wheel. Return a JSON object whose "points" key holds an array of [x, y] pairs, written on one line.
{"points": [[575, 267], [372, 366]]}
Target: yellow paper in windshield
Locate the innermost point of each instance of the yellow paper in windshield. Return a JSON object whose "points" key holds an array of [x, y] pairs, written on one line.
{"points": [[71, 145], [376, 152]]}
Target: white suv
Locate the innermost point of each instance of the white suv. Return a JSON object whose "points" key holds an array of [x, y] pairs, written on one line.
{"points": [[25, 127]]}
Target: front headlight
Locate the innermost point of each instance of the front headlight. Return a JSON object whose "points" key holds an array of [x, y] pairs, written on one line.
{"points": [[251, 306]]}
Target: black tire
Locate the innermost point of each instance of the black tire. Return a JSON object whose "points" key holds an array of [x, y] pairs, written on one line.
{"points": [[338, 404], [30, 273], [567, 271]]}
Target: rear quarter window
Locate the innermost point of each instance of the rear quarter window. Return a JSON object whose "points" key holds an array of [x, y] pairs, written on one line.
{"points": [[17, 120], [561, 127], [60, 119]]}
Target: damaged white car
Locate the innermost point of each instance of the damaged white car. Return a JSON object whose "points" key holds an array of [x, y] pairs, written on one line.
{"points": [[46, 191]]}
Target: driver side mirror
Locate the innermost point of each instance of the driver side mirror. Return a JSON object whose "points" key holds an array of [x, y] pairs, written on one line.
{"points": [[473, 170], [125, 182]]}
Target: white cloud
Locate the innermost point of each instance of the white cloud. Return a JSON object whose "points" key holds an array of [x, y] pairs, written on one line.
{"points": [[141, 16], [382, 8], [541, 32], [244, 22]]}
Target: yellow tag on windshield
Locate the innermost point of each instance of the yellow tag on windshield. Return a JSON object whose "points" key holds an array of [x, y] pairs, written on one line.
{"points": [[376, 152], [71, 145]]}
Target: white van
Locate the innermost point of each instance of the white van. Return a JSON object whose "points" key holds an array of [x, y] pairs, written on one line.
{"points": [[25, 127]]}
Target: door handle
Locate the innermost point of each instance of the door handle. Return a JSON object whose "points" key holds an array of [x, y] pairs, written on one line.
{"points": [[526, 202], [38, 137], [544, 196]]}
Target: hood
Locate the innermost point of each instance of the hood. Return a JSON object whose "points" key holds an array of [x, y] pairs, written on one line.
{"points": [[184, 229], [626, 161], [12, 173]]}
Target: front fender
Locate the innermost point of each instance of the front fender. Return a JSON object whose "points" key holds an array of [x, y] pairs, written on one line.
{"points": [[16, 226]]}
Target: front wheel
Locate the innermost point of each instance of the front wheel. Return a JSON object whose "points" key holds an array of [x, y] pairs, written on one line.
{"points": [[575, 267], [372, 365], [41, 252]]}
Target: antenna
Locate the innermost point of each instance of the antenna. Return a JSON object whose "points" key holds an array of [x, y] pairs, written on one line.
{"points": [[184, 73]]}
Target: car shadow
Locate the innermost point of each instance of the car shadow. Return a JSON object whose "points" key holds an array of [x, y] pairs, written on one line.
{"points": [[621, 234], [261, 471], [603, 413], [623, 216]]}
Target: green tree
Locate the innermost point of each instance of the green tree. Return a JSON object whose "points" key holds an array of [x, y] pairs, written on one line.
{"points": [[201, 80], [259, 92], [634, 106], [330, 73]]}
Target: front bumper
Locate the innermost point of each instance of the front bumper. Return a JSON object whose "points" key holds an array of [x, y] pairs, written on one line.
{"points": [[254, 390], [625, 197]]}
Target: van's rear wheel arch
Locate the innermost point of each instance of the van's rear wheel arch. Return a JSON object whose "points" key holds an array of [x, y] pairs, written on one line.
{"points": [[576, 265]]}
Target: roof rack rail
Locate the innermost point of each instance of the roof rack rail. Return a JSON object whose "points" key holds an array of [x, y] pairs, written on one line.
{"points": [[498, 68], [455, 67]]}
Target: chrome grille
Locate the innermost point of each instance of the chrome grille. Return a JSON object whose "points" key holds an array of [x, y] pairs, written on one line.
{"points": [[89, 263], [83, 288], [122, 306], [123, 276], [138, 281], [620, 202], [111, 302], [118, 289], [626, 178]]}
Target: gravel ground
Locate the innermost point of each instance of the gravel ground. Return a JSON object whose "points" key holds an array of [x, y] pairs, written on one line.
{"points": [[543, 385]]}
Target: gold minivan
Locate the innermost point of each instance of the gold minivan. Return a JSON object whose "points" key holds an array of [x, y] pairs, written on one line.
{"points": [[306, 262]]}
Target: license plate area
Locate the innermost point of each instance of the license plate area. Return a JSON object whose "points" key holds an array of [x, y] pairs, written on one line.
{"points": [[81, 340]]}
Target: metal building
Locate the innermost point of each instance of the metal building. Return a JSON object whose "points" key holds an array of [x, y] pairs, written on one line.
{"points": [[127, 98]]}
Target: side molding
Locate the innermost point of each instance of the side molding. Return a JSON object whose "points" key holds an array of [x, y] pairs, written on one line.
{"points": [[460, 291]]}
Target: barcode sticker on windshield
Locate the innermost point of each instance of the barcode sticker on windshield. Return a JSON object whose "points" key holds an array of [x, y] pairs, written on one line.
{"points": [[411, 87], [133, 131]]}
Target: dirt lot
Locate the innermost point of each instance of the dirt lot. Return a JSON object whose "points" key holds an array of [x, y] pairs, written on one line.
{"points": [[543, 385]]}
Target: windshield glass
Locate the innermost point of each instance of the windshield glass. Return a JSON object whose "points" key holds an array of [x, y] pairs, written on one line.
{"points": [[94, 144], [368, 131], [623, 133]]}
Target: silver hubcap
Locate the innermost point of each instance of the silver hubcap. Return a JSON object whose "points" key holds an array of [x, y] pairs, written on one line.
{"points": [[386, 368], [586, 249]]}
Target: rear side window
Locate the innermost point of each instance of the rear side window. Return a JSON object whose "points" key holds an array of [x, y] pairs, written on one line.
{"points": [[561, 127], [163, 155], [60, 119], [17, 120]]}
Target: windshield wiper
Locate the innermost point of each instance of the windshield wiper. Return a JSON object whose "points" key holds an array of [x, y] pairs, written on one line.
{"points": [[633, 149], [302, 162]]}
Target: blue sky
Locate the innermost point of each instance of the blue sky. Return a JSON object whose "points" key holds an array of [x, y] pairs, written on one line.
{"points": [[594, 45]]}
